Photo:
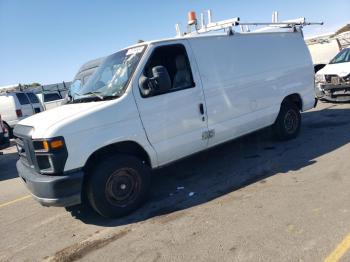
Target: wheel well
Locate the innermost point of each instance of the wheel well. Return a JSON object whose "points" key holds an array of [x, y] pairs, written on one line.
{"points": [[296, 99], [10, 130], [127, 147], [6, 123], [318, 67]]}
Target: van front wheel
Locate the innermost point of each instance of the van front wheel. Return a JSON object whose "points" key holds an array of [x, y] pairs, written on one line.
{"points": [[118, 185], [288, 122]]}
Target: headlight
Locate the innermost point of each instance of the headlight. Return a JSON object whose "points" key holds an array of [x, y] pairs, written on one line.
{"points": [[48, 145], [320, 78], [51, 155]]}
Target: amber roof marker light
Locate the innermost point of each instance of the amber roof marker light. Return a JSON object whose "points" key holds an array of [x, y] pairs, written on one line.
{"points": [[192, 19]]}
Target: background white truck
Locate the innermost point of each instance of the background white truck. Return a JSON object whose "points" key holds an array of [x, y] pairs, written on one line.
{"points": [[159, 101], [50, 100], [333, 80]]}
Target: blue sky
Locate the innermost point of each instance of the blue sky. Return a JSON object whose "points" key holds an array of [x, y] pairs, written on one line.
{"points": [[46, 41]]}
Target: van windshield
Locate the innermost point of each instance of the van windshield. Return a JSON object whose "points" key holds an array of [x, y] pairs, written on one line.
{"points": [[342, 57], [112, 77]]}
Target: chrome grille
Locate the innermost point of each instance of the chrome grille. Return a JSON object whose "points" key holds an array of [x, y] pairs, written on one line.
{"points": [[24, 144], [21, 148], [329, 78]]}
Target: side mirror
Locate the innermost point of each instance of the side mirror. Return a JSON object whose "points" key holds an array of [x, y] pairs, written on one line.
{"points": [[145, 86], [160, 82], [162, 79]]}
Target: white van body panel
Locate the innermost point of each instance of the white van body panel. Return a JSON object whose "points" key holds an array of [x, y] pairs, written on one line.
{"points": [[172, 121], [8, 109], [50, 104], [53, 104], [246, 76], [87, 127]]}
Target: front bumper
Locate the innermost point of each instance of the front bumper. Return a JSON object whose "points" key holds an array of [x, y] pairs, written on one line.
{"points": [[333, 93], [52, 190]]}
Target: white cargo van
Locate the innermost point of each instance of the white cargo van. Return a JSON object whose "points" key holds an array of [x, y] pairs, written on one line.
{"points": [[153, 103], [15, 106]]}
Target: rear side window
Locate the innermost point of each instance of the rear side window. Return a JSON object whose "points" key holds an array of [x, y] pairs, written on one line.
{"points": [[51, 97], [22, 98], [33, 98]]}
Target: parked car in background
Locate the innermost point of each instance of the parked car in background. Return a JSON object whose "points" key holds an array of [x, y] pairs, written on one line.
{"points": [[16, 106], [84, 73], [333, 81], [4, 135], [153, 103], [50, 100]]}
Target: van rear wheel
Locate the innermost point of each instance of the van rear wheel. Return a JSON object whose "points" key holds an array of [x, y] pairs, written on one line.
{"points": [[288, 122], [118, 185]]}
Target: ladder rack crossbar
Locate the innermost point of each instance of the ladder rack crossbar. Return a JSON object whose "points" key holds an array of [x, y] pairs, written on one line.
{"points": [[233, 22], [282, 23]]}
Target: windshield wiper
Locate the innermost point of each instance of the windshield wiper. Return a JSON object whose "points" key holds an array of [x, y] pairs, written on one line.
{"points": [[95, 94], [90, 96], [110, 97], [78, 98]]}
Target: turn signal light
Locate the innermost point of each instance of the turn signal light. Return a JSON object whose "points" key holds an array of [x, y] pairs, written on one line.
{"points": [[52, 145], [56, 144]]}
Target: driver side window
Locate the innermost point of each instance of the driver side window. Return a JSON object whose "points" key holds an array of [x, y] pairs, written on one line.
{"points": [[172, 61]]}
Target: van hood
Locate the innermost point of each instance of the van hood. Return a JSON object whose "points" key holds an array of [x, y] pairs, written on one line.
{"points": [[47, 119], [341, 69]]}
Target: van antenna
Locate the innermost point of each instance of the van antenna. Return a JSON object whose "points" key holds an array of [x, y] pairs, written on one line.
{"points": [[275, 17]]}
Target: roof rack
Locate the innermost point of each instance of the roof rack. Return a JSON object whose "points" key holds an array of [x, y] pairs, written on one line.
{"points": [[228, 24]]}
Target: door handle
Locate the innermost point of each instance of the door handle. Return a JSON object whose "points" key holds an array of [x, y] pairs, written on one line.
{"points": [[201, 108]]}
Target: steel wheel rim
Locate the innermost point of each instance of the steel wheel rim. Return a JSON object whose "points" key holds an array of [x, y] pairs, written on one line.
{"points": [[122, 187], [291, 122]]}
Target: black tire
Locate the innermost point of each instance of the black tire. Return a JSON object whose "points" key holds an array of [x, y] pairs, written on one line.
{"points": [[288, 122], [118, 185], [81, 211]]}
